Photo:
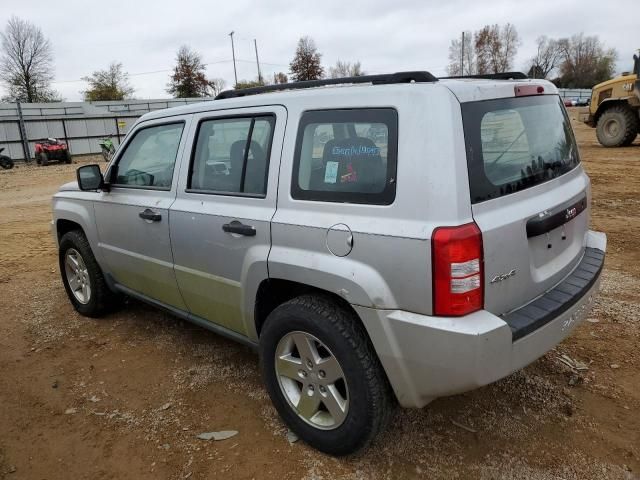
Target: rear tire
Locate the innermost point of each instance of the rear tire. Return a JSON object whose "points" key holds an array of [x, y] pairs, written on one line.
{"points": [[361, 390], [78, 267], [44, 159], [617, 126], [67, 157]]}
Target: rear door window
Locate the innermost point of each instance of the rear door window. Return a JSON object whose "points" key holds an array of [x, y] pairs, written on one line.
{"points": [[231, 156], [346, 156], [516, 143]]}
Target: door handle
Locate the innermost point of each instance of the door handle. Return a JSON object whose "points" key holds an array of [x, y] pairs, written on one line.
{"points": [[149, 214], [239, 228]]}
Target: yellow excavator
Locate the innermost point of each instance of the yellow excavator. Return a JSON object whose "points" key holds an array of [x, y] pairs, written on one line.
{"points": [[614, 110]]}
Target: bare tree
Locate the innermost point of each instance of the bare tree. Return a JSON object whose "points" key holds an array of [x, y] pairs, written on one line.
{"points": [[26, 62], [462, 61], [306, 63], [496, 48], [280, 77], [547, 58], [216, 85], [586, 62], [109, 84], [345, 69]]}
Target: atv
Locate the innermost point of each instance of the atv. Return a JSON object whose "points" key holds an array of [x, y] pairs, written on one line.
{"points": [[5, 162], [50, 150]]}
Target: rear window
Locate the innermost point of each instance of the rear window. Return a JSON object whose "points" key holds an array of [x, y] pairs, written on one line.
{"points": [[346, 156], [516, 143]]}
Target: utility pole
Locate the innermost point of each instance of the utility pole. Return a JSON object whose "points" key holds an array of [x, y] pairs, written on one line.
{"points": [[255, 44], [23, 133], [462, 57], [233, 53]]}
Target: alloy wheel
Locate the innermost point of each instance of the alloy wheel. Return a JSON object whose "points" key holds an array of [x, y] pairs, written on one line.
{"points": [[312, 380], [77, 276]]}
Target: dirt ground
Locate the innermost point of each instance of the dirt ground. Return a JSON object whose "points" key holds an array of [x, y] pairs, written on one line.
{"points": [[126, 396]]}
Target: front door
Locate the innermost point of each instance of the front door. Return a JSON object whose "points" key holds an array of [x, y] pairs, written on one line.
{"points": [[221, 220], [133, 217]]}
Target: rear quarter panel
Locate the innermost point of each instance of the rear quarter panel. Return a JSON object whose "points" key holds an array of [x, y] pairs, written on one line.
{"points": [[390, 263]]}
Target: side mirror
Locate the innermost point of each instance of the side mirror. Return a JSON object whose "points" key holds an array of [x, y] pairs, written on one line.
{"points": [[90, 177]]}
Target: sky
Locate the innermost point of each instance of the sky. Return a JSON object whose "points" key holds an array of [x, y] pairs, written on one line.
{"points": [[390, 36]]}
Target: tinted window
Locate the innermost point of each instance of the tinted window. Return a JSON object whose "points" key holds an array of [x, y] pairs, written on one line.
{"points": [[346, 156], [232, 155], [516, 143], [150, 157]]}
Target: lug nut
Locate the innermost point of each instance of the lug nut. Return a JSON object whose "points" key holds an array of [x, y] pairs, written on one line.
{"points": [[309, 363], [322, 389], [322, 374], [302, 373]]}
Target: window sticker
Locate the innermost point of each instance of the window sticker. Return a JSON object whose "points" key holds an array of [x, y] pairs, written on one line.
{"points": [[355, 150], [331, 172]]}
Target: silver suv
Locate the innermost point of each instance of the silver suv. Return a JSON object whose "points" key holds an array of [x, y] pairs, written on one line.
{"points": [[391, 240]]}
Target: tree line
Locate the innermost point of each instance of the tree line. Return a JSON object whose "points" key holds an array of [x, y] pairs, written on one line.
{"points": [[26, 64], [579, 61]]}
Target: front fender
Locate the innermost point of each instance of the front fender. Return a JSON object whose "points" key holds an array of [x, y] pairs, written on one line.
{"points": [[76, 210]]}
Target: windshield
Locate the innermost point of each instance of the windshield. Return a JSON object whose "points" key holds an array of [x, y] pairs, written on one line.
{"points": [[516, 143]]}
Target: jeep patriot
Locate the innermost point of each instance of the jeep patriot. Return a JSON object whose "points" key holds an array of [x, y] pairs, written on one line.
{"points": [[389, 240]]}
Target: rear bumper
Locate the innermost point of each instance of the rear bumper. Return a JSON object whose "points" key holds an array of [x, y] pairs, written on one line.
{"points": [[428, 357]]}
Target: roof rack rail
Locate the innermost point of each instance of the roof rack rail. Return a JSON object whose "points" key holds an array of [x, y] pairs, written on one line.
{"points": [[398, 77], [494, 76]]}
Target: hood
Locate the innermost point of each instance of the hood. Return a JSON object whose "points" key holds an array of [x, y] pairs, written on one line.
{"points": [[613, 81], [70, 187]]}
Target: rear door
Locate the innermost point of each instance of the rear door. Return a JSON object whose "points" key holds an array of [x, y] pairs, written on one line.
{"points": [[221, 220], [529, 194]]}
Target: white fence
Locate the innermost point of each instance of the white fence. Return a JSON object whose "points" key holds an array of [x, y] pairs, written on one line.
{"points": [[80, 124], [575, 93]]}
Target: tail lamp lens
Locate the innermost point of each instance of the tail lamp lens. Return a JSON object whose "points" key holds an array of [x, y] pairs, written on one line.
{"points": [[457, 270]]}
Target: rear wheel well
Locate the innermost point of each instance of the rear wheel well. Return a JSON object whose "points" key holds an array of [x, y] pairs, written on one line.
{"points": [[273, 292], [64, 226]]}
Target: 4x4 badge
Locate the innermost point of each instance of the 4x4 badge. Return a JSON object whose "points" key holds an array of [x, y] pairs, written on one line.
{"points": [[503, 276]]}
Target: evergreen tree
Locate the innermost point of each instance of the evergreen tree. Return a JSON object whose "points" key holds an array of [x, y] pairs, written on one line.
{"points": [[306, 63], [188, 78]]}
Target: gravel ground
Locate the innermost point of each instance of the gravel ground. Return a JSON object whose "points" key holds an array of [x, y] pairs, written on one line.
{"points": [[127, 395]]}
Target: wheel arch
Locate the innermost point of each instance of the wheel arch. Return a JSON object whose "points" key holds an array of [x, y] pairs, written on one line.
{"points": [[64, 226], [607, 104], [273, 292], [73, 214]]}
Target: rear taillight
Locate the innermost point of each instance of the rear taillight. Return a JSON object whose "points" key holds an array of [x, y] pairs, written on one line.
{"points": [[457, 270]]}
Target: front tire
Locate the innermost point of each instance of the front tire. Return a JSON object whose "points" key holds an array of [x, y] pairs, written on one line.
{"points": [[617, 126], [323, 375], [82, 277]]}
